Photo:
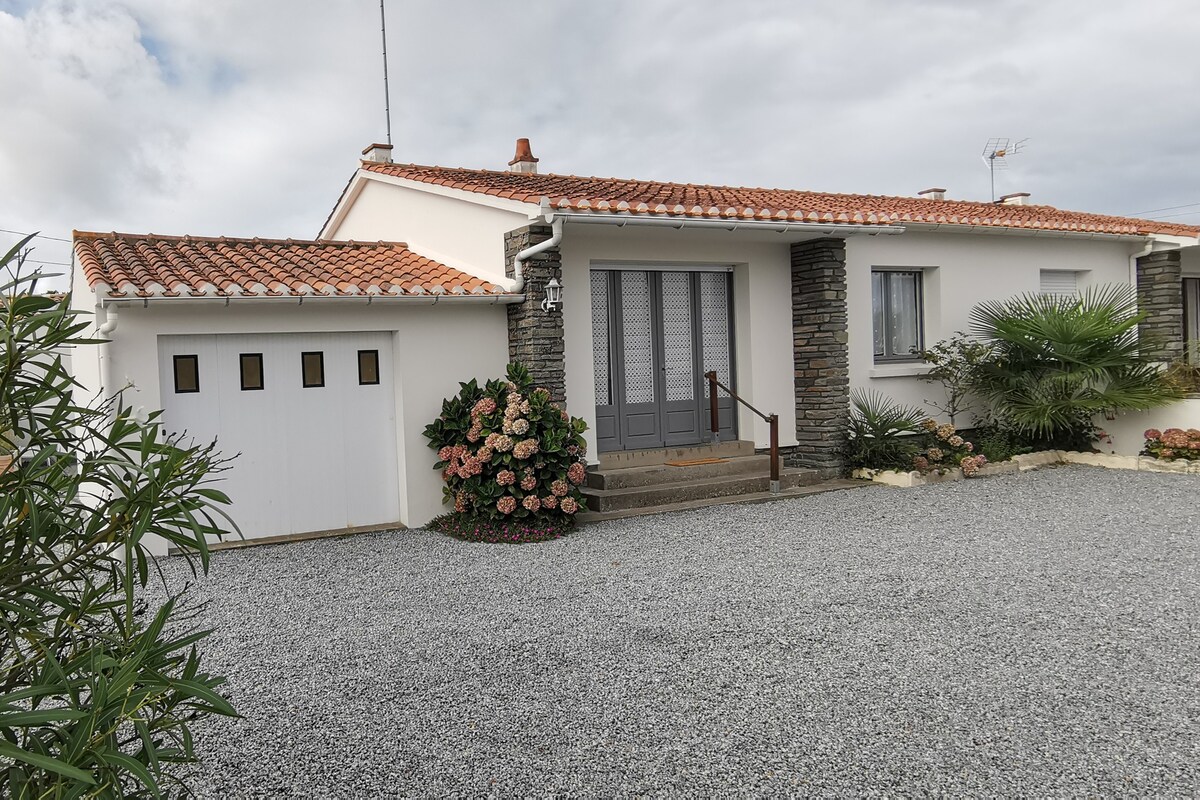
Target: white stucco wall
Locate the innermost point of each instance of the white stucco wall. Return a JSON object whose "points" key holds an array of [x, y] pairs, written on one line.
{"points": [[434, 349], [1127, 429], [464, 235], [959, 271], [762, 312], [1190, 261]]}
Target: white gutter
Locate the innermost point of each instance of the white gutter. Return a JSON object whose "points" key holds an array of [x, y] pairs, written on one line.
{"points": [[364, 299], [517, 282], [732, 224], [950, 227]]}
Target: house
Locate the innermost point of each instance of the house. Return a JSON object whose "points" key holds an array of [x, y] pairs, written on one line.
{"points": [[321, 361]]}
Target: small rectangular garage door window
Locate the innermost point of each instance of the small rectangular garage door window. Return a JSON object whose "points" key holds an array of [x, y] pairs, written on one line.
{"points": [[252, 371], [368, 367], [313, 368], [187, 374]]}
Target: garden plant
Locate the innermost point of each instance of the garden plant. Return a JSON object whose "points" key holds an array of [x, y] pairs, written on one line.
{"points": [[1056, 361], [99, 689], [1173, 444], [512, 461], [881, 433]]}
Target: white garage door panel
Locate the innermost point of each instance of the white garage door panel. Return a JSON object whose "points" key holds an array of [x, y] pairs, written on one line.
{"points": [[319, 458]]}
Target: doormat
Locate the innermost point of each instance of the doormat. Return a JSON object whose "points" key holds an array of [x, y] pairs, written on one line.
{"points": [[695, 462]]}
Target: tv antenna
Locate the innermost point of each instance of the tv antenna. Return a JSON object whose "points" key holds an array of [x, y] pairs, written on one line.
{"points": [[996, 153], [387, 95]]}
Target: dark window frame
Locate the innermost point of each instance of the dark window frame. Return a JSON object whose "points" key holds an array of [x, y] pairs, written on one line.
{"points": [[320, 354], [262, 384], [1190, 344], [175, 361], [375, 355], [888, 316]]}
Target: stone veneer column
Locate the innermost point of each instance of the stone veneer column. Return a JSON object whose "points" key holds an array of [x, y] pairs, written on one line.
{"points": [[535, 337], [820, 353], [1160, 296]]}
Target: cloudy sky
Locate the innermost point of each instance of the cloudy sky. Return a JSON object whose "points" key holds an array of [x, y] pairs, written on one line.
{"points": [[247, 118]]}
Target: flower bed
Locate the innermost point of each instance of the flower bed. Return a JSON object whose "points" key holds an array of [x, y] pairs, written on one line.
{"points": [[512, 461], [1173, 444]]}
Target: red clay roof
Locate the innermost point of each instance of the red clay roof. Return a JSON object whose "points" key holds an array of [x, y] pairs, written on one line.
{"points": [[619, 195], [133, 265]]}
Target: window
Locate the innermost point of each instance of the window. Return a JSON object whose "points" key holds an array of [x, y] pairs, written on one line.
{"points": [[187, 374], [1058, 283], [368, 367], [1191, 318], [252, 371], [313, 369], [896, 310]]}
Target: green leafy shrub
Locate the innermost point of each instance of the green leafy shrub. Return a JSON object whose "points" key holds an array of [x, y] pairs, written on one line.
{"points": [[98, 690], [1056, 362], [954, 362], [1173, 444], [508, 454], [999, 443], [880, 433]]}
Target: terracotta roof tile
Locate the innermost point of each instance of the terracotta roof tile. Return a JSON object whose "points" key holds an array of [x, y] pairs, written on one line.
{"points": [[134, 265], [620, 195]]}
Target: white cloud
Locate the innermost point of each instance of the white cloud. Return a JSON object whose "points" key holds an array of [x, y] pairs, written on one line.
{"points": [[236, 118]]}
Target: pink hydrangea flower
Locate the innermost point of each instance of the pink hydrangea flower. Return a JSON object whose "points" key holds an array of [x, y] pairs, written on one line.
{"points": [[560, 488], [529, 483], [550, 501], [525, 448], [568, 505], [506, 477], [576, 473], [446, 453], [955, 441], [520, 426], [506, 504], [531, 502]]}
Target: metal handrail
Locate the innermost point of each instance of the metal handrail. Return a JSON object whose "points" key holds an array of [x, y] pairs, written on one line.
{"points": [[715, 423]]}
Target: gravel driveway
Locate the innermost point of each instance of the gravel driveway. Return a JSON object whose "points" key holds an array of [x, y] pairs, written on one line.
{"points": [[1032, 634]]}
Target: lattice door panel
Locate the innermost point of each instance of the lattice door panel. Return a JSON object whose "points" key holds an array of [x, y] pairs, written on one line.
{"points": [[678, 336], [637, 337]]}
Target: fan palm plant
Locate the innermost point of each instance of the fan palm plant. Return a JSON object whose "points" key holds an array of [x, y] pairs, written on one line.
{"points": [[1058, 361]]}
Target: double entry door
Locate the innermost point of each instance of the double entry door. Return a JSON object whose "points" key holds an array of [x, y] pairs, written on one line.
{"points": [[654, 335]]}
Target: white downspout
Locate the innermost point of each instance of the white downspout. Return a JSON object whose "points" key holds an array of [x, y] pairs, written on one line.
{"points": [[516, 284], [104, 349], [1133, 259]]}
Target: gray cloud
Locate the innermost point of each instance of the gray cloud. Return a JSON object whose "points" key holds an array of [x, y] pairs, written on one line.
{"points": [[234, 118]]}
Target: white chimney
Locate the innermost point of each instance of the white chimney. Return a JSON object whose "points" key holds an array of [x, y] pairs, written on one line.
{"points": [[523, 161], [379, 153], [1015, 199], [933, 194]]}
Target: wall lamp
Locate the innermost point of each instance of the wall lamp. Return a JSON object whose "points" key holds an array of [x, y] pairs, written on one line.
{"points": [[553, 299]]}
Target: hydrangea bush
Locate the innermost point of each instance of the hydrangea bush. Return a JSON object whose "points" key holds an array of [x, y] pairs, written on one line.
{"points": [[1173, 444], [946, 449], [511, 460]]}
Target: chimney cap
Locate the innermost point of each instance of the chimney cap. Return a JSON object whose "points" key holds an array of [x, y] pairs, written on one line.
{"points": [[524, 153], [379, 153], [1014, 199], [934, 190]]}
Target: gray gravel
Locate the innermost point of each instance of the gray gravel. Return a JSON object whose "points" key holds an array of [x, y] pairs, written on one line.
{"points": [[1031, 634]]}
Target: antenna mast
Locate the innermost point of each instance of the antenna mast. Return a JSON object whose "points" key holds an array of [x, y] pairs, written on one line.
{"points": [[387, 95], [995, 152]]}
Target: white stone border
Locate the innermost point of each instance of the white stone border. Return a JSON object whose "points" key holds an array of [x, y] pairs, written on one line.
{"points": [[1028, 461]]}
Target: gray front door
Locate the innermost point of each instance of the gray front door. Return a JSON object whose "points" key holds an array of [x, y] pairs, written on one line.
{"points": [[654, 335]]}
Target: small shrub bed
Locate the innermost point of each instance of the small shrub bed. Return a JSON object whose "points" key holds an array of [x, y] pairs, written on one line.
{"points": [[512, 460], [1173, 444], [479, 528], [946, 449]]}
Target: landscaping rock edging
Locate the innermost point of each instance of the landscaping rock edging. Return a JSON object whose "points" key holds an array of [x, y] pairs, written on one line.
{"points": [[1028, 461]]}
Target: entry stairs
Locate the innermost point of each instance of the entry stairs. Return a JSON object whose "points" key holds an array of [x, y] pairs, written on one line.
{"points": [[639, 482]]}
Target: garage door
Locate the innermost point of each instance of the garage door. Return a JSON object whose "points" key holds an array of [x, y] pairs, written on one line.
{"points": [[312, 416]]}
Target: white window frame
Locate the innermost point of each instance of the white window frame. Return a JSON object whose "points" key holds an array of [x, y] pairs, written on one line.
{"points": [[1058, 275], [894, 358]]}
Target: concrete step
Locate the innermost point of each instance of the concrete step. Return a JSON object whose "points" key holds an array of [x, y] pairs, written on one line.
{"points": [[659, 474], [605, 500], [839, 484], [644, 458]]}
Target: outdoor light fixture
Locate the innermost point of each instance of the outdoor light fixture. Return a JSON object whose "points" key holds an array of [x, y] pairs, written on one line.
{"points": [[553, 298]]}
